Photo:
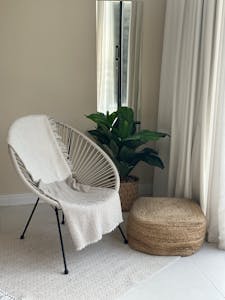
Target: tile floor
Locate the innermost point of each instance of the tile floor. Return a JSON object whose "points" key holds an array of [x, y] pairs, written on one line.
{"points": [[198, 277]]}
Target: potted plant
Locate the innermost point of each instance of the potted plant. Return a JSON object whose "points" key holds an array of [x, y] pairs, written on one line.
{"points": [[117, 135]]}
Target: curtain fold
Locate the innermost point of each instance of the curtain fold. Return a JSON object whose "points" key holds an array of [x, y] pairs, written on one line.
{"points": [[191, 108], [134, 59]]}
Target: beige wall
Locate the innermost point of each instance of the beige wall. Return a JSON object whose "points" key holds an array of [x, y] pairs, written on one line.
{"points": [[48, 65]]}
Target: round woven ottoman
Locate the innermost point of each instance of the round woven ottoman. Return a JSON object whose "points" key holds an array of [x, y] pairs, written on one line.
{"points": [[166, 226]]}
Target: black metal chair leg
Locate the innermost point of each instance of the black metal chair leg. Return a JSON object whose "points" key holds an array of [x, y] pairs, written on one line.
{"points": [[123, 235], [61, 241], [28, 222], [63, 219]]}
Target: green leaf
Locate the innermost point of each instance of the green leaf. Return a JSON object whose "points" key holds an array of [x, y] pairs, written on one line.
{"points": [[104, 130], [126, 154], [111, 117], [114, 147], [124, 129], [146, 136], [100, 119], [107, 150], [155, 161], [133, 143], [149, 156], [103, 139], [149, 151], [124, 169], [126, 113], [124, 125]]}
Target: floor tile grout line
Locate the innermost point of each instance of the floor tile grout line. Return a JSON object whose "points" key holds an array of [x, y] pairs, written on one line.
{"points": [[207, 278], [154, 275]]}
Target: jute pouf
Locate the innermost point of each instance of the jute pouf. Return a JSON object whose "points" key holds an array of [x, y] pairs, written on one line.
{"points": [[166, 226]]}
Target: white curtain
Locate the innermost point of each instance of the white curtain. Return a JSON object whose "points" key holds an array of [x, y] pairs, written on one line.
{"points": [[134, 59], [108, 36], [192, 108], [106, 33]]}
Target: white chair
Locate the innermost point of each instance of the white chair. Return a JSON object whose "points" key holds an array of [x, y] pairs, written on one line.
{"points": [[90, 166]]}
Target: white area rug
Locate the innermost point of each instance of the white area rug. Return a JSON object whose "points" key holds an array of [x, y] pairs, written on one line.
{"points": [[31, 269]]}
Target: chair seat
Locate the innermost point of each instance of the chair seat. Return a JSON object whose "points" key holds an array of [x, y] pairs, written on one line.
{"points": [[90, 212], [92, 196], [166, 226]]}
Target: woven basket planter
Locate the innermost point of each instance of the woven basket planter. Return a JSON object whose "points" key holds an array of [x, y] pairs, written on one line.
{"points": [[128, 192], [166, 226]]}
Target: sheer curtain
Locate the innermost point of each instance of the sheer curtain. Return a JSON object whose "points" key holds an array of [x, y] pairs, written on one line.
{"points": [[108, 37], [106, 32], [134, 59], [192, 108]]}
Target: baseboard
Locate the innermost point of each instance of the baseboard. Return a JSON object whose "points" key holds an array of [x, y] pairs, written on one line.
{"points": [[17, 199], [28, 198]]}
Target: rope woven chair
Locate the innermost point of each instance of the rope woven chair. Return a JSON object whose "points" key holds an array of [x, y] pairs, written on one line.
{"points": [[90, 166]]}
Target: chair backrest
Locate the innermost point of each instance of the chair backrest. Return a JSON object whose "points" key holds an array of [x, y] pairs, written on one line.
{"points": [[90, 164]]}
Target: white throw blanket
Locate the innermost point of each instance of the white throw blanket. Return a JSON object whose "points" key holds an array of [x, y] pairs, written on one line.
{"points": [[90, 211], [34, 141]]}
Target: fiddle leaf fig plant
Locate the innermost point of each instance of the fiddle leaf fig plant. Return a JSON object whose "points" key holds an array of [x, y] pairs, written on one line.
{"points": [[117, 135]]}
